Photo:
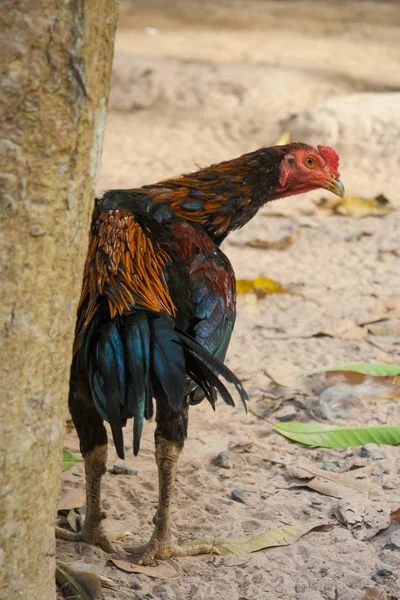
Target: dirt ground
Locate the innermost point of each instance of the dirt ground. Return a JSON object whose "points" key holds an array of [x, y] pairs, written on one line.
{"points": [[195, 83]]}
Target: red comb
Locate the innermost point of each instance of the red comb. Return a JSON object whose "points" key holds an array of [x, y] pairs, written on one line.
{"points": [[332, 159]]}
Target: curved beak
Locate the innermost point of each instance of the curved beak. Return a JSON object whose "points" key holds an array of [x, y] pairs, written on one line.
{"points": [[335, 186]]}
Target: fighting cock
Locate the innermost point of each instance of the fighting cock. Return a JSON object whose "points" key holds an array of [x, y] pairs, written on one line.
{"points": [[157, 311]]}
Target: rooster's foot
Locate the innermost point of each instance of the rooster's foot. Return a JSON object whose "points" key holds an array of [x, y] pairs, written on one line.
{"points": [[96, 536]]}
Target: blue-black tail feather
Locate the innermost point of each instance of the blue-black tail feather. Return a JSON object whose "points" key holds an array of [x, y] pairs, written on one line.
{"points": [[142, 355]]}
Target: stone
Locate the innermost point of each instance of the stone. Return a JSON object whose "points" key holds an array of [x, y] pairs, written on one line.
{"points": [[384, 572], [224, 460], [333, 467], [372, 451], [119, 469], [239, 496]]}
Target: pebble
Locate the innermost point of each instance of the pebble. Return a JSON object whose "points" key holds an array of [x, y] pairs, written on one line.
{"points": [[383, 572], [372, 451], [239, 496], [224, 460], [118, 469], [334, 466], [391, 546]]}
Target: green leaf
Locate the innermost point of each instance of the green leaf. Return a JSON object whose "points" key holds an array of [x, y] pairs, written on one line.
{"points": [[68, 460], [281, 536], [328, 436], [371, 369]]}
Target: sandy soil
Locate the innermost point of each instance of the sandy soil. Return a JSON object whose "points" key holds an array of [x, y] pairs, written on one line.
{"points": [[213, 81]]}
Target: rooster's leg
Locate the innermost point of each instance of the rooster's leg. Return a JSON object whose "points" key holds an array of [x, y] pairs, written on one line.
{"points": [[161, 545], [93, 439]]}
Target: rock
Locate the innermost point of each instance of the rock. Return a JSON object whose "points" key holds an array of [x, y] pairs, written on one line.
{"points": [[391, 546], [333, 467], [119, 469], [224, 460], [239, 496], [364, 129], [372, 451], [383, 572]]}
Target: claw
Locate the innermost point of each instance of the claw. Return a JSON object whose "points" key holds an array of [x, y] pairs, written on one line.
{"points": [[94, 536]]}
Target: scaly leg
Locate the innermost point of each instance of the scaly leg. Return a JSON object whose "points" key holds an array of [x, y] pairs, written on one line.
{"points": [[92, 531], [161, 545], [93, 440]]}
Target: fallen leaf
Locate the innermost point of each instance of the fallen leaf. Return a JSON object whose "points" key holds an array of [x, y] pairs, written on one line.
{"points": [[355, 206], [71, 498], [362, 516], [330, 436], [78, 584], [388, 308], [68, 460], [338, 485], [345, 329], [281, 536], [374, 594], [370, 369], [88, 568], [389, 327], [395, 516], [282, 244], [284, 139], [394, 252], [73, 519], [260, 286], [241, 447], [161, 571]]}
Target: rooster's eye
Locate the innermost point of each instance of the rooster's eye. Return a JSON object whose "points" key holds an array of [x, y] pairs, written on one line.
{"points": [[310, 162]]}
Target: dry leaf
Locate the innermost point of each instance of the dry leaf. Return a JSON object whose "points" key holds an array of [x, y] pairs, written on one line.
{"points": [[280, 536], [161, 571], [363, 517], [355, 206], [388, 327], [338, 485], [73, 520], [78, 584], [71, 498], [344, 329], [388, 308], [395, 516], [355, 378], [284, 139], [241, 447], [260, 286], [374, 594], [281, 244]]}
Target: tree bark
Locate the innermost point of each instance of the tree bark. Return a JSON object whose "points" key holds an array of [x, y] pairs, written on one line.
{"points": [[58, 57]]}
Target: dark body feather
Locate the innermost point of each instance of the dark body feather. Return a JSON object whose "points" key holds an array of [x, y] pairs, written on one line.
{"points": [[219, 198], [149, 322], [155, 272], [157, 312]]}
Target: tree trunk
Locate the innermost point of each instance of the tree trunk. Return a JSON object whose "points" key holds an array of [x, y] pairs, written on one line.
{"points": [[58, 56]]}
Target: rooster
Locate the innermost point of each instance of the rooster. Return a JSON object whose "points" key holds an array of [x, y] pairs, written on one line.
{"points": [[157, 311]]}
